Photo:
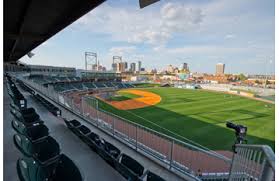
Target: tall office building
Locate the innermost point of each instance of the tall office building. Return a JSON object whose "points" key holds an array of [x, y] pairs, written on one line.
{"points": [[220, 69], [184, 66], [133, 67], [170, 68], [121, 66], [139, 66]]}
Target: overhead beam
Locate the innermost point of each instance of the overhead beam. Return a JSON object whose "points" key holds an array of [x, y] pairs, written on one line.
{"points": [[28, 36], [144, 3], [21, 22]]}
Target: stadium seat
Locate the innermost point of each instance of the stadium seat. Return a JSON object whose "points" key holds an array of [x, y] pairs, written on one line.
{"points": [[36, 132], [153, 177], [82, 131], [50, 107], [62, 170], [94, 141], [44, 151], [73, 124], [26, 116], [109, 153], [129, 168]]}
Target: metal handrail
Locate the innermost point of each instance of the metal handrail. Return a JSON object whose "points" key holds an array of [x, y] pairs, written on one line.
{"points": [[253, 162], [270, 156]]}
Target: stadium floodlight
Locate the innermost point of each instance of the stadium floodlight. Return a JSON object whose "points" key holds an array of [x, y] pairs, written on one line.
{"points": [[144, 3], [90, 60], [30, 54]]}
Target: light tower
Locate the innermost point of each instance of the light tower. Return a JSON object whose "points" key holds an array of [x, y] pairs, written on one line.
{"points": [[90, 59]]}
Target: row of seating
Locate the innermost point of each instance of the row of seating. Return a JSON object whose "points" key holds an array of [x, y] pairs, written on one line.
{"points": [[129, 168], [25, 88], [42, 159], [51, 79], [50, 107], [15, 94], [61, 87]]}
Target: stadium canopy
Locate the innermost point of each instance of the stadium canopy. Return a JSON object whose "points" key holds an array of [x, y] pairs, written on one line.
{"points": [[28, 23]]}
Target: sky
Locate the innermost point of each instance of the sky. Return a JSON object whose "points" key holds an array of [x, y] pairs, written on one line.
{"points": [[239, 33]]}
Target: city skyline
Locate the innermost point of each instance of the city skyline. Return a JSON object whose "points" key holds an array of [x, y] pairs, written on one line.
{"points": [[199, 33]]}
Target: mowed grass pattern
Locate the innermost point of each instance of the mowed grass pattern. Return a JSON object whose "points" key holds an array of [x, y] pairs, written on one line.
{"points": [[201, 115], [122, 96]]}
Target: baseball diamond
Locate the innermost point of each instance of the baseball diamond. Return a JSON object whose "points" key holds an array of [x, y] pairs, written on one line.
{"points": [[199, 116]]}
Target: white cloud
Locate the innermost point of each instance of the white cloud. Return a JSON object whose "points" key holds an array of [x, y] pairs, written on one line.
{"points": [[122, 50], [138, 26], [179, 17], [230, 36]]}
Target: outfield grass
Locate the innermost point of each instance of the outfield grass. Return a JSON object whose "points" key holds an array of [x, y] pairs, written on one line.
{"points": [[200, 116], [122, 96]]}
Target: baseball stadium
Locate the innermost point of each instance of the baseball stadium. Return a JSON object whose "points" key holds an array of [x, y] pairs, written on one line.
{"points": [[65, 123], [185, 128], [197, 116]]}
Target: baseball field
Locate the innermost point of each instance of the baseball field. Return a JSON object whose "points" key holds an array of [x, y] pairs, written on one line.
{"points": [[196, 116]]}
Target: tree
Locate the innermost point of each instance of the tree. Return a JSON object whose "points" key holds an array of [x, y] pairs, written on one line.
{"points": [[242, 77]]}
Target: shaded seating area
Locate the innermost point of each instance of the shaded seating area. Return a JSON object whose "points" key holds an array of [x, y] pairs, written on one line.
{"points": [[34, 133], [26, 116], [89, 85], [150, 176], [41, 153], [64, 169], [17, 98], [44, 151], [128, 167], [25, 88], [50, 107], [99, 85]]}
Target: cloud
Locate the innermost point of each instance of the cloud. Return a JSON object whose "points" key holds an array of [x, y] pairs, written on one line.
{"points": [[230, 36], [178, 17], [137, 26], [122, 50], [206, 50]]}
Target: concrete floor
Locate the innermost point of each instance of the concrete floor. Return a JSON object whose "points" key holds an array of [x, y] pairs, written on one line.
{"points": [[91, 165]]}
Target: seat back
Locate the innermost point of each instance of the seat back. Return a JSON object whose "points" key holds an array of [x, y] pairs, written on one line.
{"points": [[112, 150], [130, 168], [37, 132], [46, 150], [153, 177], [74, 123], [66, 170], [84, 130]]}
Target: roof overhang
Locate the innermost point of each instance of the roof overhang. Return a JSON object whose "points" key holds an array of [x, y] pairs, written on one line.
{"points": [[28, 23]]}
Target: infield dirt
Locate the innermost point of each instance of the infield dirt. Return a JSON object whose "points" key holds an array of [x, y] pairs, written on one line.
{"points": [[146, 99]]}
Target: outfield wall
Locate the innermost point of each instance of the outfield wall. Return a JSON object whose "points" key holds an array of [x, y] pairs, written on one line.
{"points": [[228, 87]]}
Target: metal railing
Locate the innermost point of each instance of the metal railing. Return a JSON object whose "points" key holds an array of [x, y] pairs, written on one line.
{"points": [[170, 152], [178, 155], [253, 162]]}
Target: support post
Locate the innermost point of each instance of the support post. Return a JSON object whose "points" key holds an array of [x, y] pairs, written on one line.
{"points": [[136, 137], [172, 144]]}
